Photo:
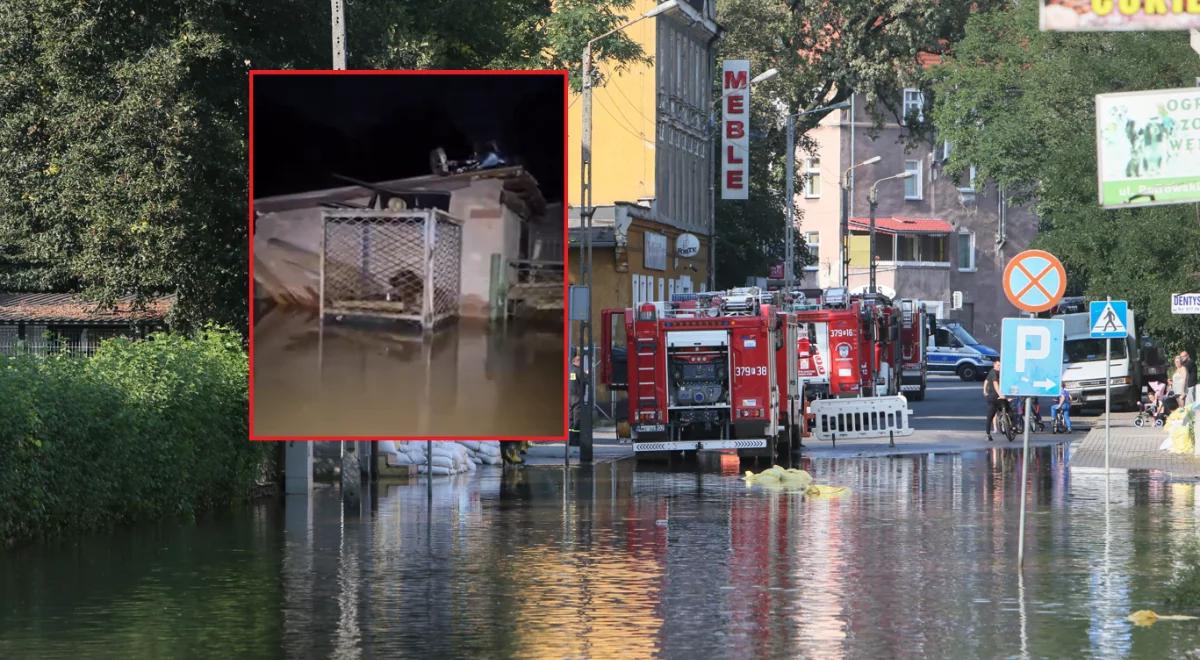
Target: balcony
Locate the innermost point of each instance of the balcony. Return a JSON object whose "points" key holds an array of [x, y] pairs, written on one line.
{"points": [[912, 256]]}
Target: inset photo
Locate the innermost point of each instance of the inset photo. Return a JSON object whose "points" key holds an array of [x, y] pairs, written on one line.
{"points": [[408, 255]]}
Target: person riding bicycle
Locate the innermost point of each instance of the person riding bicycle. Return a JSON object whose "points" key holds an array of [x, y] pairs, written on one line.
{"points": [[1063, 403], [996, 400]]}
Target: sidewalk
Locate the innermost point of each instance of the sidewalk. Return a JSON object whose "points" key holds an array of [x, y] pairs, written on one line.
{"points": [[1133, 449], [605, 449]]}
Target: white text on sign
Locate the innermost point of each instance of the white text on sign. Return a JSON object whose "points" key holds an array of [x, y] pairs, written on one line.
{"points": [[735, 130]]}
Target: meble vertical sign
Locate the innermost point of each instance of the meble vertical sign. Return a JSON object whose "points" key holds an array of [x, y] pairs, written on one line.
{"points": [[735, 130]]}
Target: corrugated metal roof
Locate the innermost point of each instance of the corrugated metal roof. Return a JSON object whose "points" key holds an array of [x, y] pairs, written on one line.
{"points": [[904, 225], [73, 308]]}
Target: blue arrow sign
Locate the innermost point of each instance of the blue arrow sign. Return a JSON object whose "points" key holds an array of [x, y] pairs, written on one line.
{"points": [[1031, 357], [1109, 319]]}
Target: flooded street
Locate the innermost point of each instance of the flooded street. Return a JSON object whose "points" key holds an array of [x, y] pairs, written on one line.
{"points": [[678, 561], [468, 380]]}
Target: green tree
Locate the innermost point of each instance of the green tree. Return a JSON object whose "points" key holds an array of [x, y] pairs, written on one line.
{"points": [[123, 124], [1019, 105], [825, 52]]}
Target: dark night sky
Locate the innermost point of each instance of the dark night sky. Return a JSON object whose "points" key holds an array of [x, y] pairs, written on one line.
{"points": [[377, 127]]}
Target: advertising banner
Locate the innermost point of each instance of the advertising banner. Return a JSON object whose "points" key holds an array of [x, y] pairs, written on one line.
{"points": [[1185, 303], [735, 130], [1119, 15], [1148, 147]]}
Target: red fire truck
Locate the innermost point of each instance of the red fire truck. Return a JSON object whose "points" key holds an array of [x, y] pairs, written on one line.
{"points": [[702, 371]]}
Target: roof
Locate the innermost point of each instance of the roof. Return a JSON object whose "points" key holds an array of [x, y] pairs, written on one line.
{"points": [[602, 237], [73, 308], [520, 190], [904, 225]]}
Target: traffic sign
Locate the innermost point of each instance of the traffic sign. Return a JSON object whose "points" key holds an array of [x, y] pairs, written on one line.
{"points": [[1031, 357], [1034, 281], [1109, 319]]}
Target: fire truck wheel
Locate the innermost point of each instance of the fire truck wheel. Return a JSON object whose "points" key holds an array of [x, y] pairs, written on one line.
{"points": [[919, 395], [968, 372]]}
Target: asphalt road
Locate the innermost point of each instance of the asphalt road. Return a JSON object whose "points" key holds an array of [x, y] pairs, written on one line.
{"points": [[950, 419]]}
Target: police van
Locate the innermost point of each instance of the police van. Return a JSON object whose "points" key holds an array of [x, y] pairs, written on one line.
{"points": [[952, 349]]}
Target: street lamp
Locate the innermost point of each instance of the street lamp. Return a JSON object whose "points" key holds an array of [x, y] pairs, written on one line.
{"points": [[585, 221], [712, 186], [844, 236], [789, 248], [872, 201]]}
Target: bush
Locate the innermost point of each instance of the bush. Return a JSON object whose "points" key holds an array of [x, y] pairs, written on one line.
{"points": [[143, 429]]}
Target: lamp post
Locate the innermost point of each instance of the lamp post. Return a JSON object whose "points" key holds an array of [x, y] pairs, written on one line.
{"points": [[712, 185], [872, 201], [585, 221], [844, 232], [789, 247]]}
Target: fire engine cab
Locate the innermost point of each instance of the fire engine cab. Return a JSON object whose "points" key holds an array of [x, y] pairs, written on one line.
{"points": [[701, 371]]}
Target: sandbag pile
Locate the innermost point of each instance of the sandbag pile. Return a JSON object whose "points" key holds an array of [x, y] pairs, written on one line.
{"points": [[1180, 436], [778, 478], [447, 457]]}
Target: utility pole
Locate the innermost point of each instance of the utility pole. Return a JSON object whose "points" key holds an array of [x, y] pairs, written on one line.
{"points": [[585, 264], [338, 25]]}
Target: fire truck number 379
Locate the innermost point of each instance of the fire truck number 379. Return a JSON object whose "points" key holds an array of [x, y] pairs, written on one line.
{"points": [[749, 371]]}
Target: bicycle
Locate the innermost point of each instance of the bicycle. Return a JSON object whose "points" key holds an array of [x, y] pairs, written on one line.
{"points": [[1004, 420]]}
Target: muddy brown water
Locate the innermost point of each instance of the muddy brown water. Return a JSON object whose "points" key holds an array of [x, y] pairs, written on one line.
{"points": [[468, 379], [679, 561]]}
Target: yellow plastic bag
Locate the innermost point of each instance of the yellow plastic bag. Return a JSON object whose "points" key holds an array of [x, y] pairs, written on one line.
{"points": [[791, 479], [1148, 617], [1181, 440]]}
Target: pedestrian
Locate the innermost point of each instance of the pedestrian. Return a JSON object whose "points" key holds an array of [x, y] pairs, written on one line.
{"points": [[1179, 381], [578, 384], [995, 399], [1190, 366]]}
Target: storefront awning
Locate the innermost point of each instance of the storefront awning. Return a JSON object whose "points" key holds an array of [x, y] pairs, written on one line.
{"points": [[903, 225]]}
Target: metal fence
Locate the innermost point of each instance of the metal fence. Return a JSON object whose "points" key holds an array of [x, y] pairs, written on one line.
{"points": [[403, 265], [38, 341]]}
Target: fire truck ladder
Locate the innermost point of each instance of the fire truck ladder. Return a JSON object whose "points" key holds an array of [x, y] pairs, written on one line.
{"points": [[646, 360]]}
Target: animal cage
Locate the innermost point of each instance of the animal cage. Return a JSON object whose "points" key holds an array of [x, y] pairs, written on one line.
{"points": [[400, 265]]}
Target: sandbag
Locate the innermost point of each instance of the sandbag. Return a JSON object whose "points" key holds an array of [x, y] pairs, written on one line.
{"points": [[386, 446], [437, 469]]}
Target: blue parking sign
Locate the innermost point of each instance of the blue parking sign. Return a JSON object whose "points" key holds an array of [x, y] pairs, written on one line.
{"points": [[1031, 357]]}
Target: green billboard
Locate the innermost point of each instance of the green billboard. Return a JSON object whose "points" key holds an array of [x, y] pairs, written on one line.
{"points": [[1148, 147]]}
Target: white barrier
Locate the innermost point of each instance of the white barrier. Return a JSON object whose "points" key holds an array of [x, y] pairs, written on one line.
{"points": [[867, 417]]}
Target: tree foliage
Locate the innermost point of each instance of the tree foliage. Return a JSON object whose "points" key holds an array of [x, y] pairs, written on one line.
{"points": [[825, 52], [1019, 105], [123, 124]]}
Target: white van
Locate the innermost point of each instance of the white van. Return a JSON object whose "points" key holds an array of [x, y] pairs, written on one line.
{"points": [[1084, 364]]}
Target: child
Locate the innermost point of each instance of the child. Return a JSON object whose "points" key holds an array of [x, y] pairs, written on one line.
{"points": [[1063, 402]]}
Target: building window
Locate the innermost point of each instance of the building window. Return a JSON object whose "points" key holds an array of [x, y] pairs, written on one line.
{"points": [[912, 184], [906, 248], [932, 249], [966, 250], [885, 248], [812, 177], [971, 179], [914, 104], [946, 146], [812, 241]]}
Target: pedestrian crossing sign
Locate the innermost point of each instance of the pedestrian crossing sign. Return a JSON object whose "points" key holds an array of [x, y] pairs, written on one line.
{"points": [[1109, 318]]}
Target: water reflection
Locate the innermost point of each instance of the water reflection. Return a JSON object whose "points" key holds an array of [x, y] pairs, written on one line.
{"points": [[470, 379], [682, 560]]}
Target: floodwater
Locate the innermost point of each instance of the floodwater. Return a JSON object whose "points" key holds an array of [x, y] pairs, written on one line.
{"points": [[468, 380], [919, 560]]}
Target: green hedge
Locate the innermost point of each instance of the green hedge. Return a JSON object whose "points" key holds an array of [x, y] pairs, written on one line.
{"points": [[142, 430]]}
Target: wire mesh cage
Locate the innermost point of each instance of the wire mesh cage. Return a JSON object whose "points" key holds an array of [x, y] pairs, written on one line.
{"points": [[400, 265]]}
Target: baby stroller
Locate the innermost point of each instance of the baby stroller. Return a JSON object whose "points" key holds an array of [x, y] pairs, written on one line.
{"points": [[1036, 412]]}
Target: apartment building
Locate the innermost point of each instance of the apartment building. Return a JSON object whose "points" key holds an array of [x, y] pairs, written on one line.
{"points": [[938, 239]]}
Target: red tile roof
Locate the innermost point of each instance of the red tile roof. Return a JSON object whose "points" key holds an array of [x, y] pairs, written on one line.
{"points": [[904, 225], [72, 308]]}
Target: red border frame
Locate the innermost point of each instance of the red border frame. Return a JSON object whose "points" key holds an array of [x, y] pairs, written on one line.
{"points": [[566, 280]]}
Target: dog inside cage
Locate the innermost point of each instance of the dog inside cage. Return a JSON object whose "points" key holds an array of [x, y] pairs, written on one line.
{"points": [[400, 265]]}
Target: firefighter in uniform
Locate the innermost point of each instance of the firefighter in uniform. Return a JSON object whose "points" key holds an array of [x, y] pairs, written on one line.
{"points": [[578, 382]]}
